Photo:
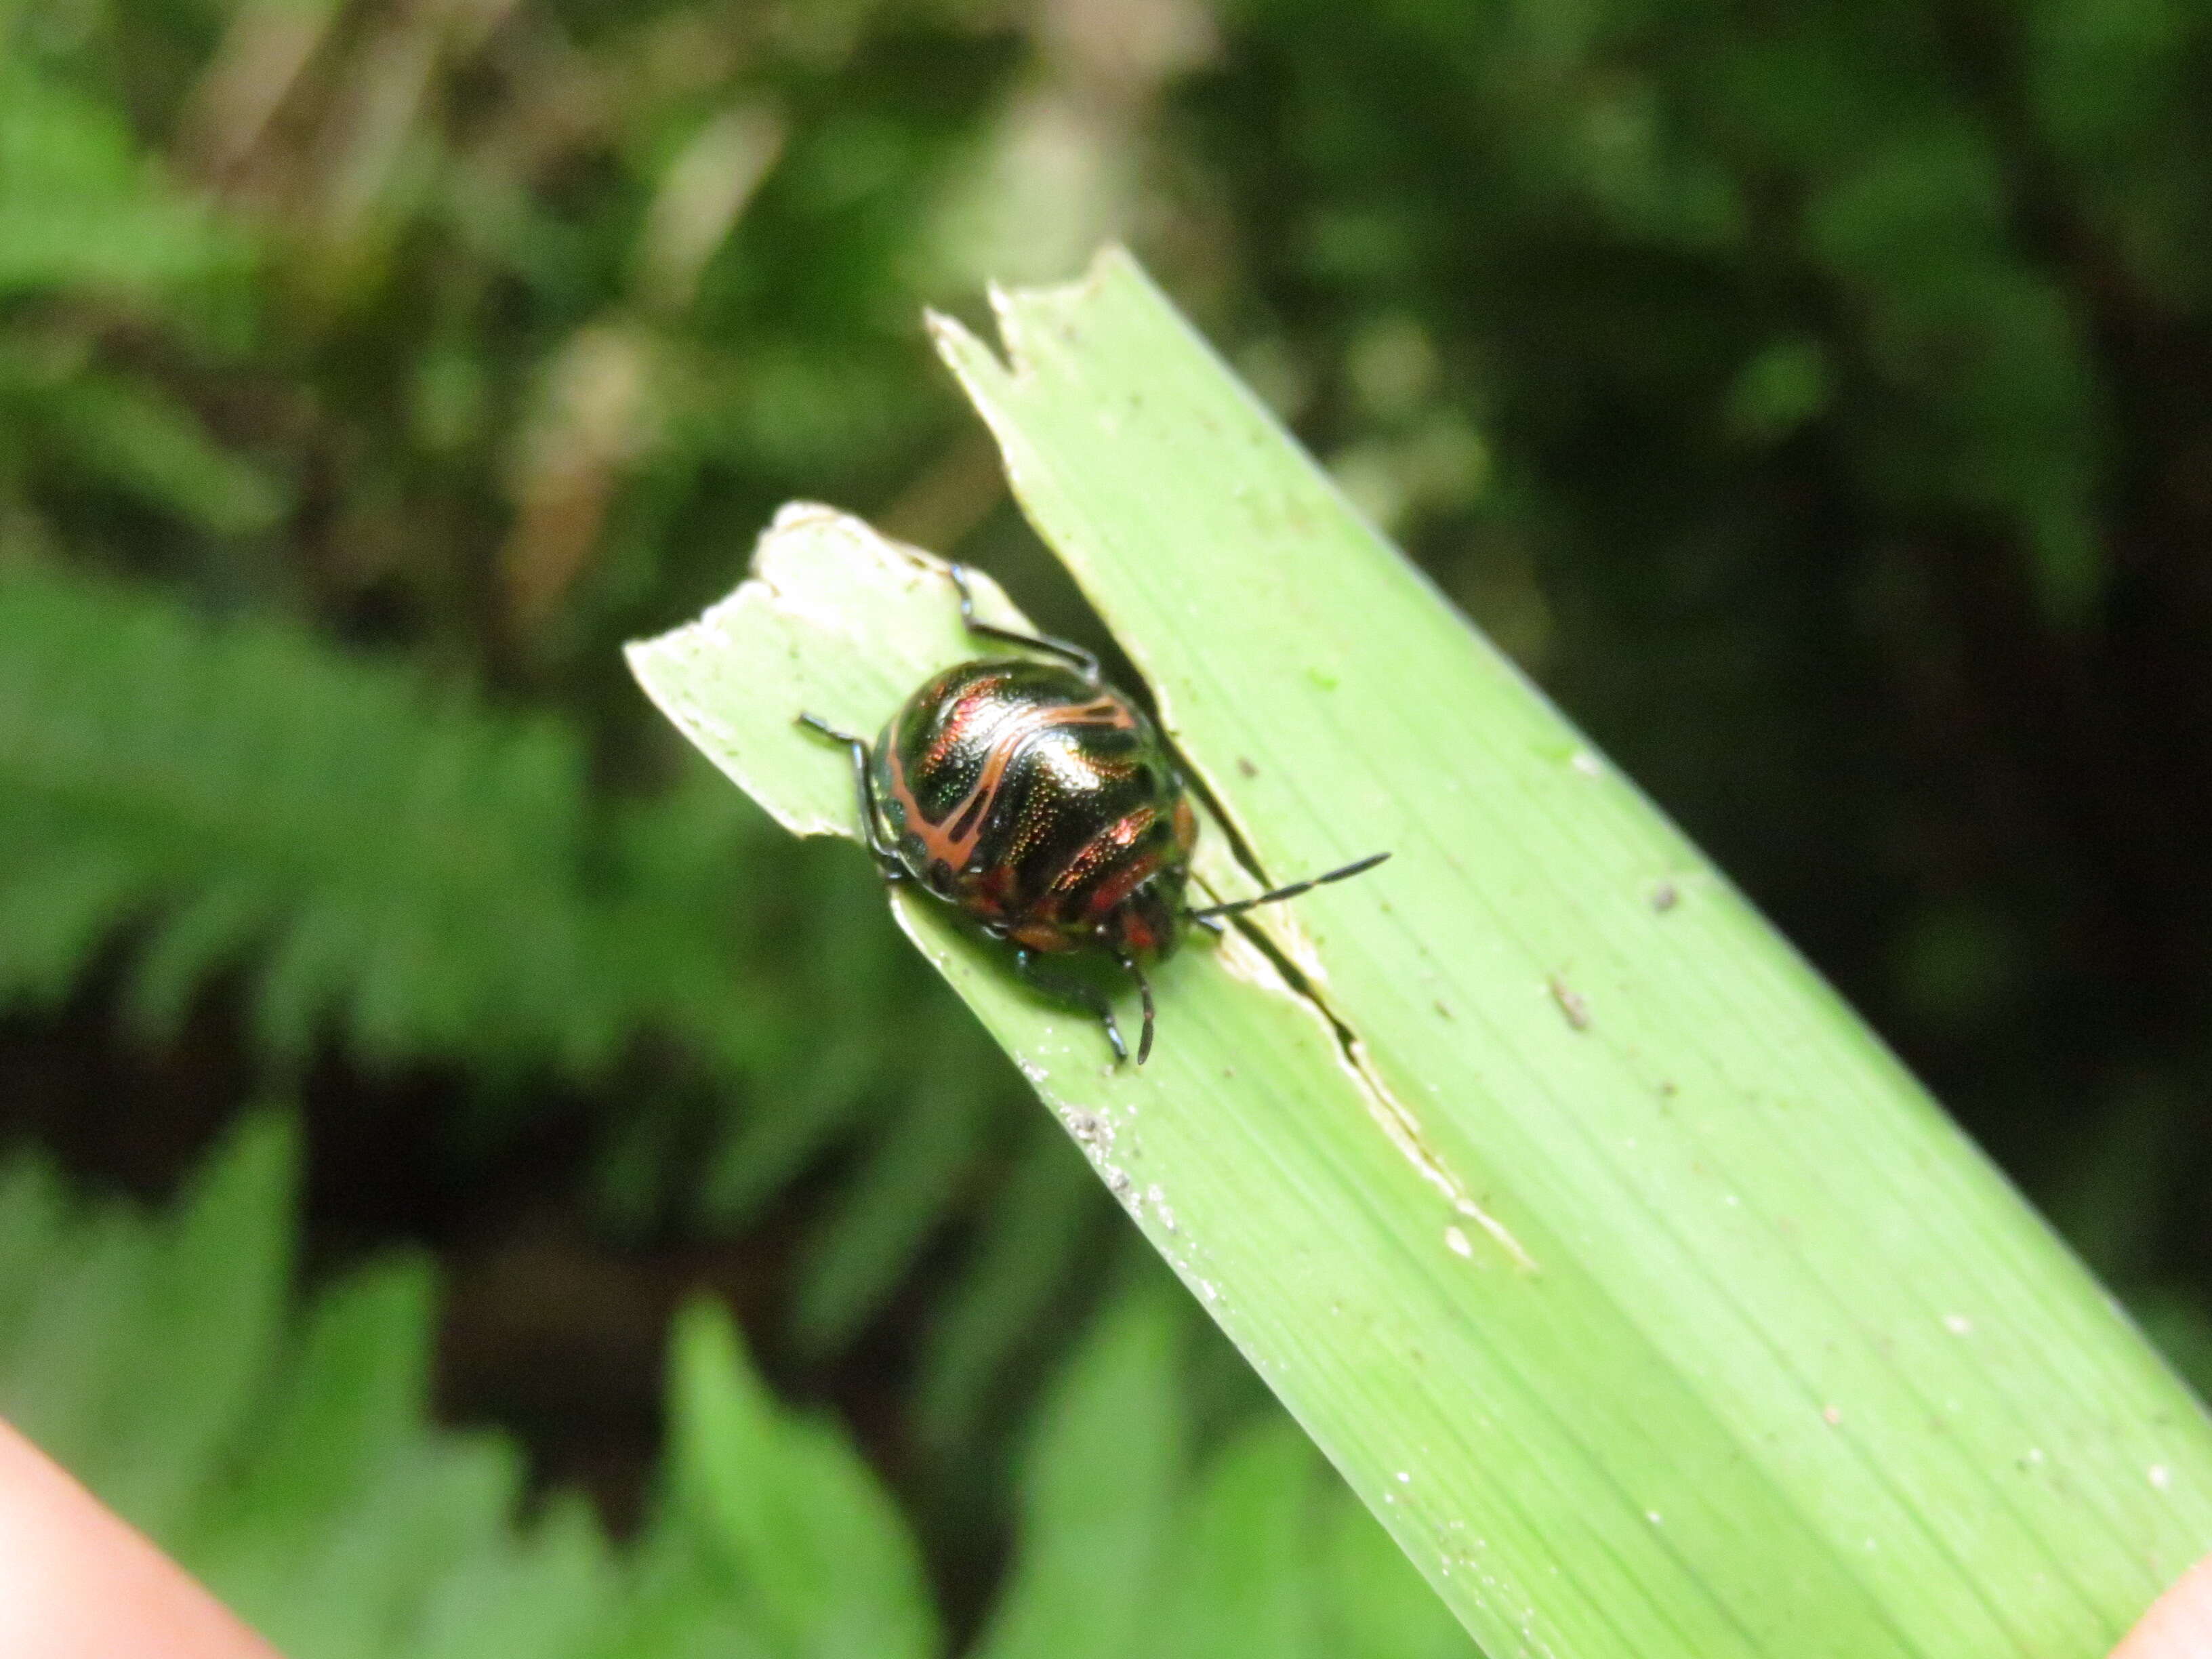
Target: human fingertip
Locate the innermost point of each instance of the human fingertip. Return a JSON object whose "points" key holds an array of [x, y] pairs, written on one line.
{"points": [[2179, 1623], [76, 1581]]}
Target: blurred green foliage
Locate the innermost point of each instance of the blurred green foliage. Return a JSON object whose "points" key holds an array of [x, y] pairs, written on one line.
{"points": [[287, 1460], [1812, 400]]}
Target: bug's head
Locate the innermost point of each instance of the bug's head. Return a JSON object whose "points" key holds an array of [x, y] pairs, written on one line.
{"points": [[1151, 917]]}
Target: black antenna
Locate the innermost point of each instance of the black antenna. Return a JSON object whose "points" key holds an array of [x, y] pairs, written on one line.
{"points": [[1237, 907]]}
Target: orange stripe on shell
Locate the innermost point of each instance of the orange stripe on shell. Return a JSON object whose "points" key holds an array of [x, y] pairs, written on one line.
{"points": [[952, 840]]}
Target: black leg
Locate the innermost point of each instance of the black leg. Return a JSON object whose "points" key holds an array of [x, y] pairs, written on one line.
{"points": [[1087, 998], [864, 795], [1143, 991], [1074, 653], [1238, 907]]}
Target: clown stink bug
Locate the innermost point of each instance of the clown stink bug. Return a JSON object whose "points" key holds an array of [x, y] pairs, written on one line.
{"points": [[1042, 804]]}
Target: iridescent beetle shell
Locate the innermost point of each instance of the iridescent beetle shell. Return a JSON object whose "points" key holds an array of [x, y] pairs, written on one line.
{"points": [[1042, 803]]}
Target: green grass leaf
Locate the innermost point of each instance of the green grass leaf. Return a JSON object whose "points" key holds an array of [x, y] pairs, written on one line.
{"points": [[1622, 1271], [1127, 1548], [1383, 1610]]}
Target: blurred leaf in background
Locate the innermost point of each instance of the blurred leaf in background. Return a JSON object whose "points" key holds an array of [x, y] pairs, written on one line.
{"points": [[289, 1459]]}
